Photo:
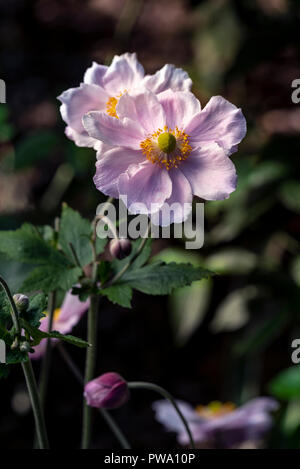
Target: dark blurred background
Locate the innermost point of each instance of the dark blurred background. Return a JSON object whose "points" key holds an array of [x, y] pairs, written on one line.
{"points": [[223, 339]]}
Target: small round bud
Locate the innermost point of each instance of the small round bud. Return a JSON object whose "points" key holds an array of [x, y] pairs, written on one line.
{"points": [[120, 248], [25, 347], [22, 301], [108, 391]]}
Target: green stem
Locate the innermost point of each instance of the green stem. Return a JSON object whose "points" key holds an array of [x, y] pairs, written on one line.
{"points": [[44, 378], [29, 377], [14, 309], [36, 405], [130, 262], [90, 369], [105, 414], [169, 397]]}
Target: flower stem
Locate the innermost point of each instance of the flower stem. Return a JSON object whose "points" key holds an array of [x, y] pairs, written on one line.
{"points": [[90, 369], [29, 377], [169, 397], [107, 417], [130, 262], [36, 405], [44, 378]]}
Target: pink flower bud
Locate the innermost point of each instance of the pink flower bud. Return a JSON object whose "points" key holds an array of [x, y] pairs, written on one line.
{"points": [[108, 391], [120, 248]]}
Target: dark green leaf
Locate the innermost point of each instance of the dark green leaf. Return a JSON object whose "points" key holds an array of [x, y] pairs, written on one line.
{"points": [[49, 278], [161, 279], [75, 230], [120, 294], [37, 335], [25, 245], [104, 271], [286, 385], [37, 306], [117, 265]]}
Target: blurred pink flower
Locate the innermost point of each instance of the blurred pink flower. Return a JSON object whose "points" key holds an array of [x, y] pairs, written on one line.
{"points": [[220, 425], [108, 391], [103, 86], [65, 318], [166, 149]]}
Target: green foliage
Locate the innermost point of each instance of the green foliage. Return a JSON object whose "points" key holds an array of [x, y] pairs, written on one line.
{"points": [[54, 269], [290, 195], [49, 278], [286, 385], [77, 231], [37, 306], [143, 257], [161, 279], [6, 129], [120, 294], [25, 245], [37, 335]]}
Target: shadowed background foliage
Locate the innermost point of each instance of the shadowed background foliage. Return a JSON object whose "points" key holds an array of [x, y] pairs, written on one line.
{"points": [[221, 339]]}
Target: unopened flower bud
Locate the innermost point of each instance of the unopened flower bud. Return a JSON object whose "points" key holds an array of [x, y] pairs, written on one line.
{"points": [[108, 391], [25, 347], [120, 248], [21, 301]]}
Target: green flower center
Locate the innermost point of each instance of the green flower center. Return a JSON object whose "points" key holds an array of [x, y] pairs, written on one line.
{"points": [[166, 142]]}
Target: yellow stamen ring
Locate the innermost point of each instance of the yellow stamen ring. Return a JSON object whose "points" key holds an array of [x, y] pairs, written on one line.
{"points": [[215, 409], [112, 104], [166, 147], [56, 314]]}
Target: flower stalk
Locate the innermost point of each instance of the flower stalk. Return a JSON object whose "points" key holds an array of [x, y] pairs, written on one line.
{"points": [[169, 397], [105, 414], [29, 377], [44, 378], [90, 369]]}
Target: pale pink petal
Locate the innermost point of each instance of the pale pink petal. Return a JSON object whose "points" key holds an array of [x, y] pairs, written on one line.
{"points": [[168, 77], [40, 349], [220, 122], [178, 206], [124, 74], [143, 107], [179, 107], [80, 139], [145, 184], [94, 74], [210, 172], [101, 148], [113, 131], [72, 310], [78, 101], [111, 165]]}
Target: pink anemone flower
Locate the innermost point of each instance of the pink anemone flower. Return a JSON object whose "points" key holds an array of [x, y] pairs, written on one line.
{"points": [[166, 149], [220, 425], [65, 318], [103, 86]]}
